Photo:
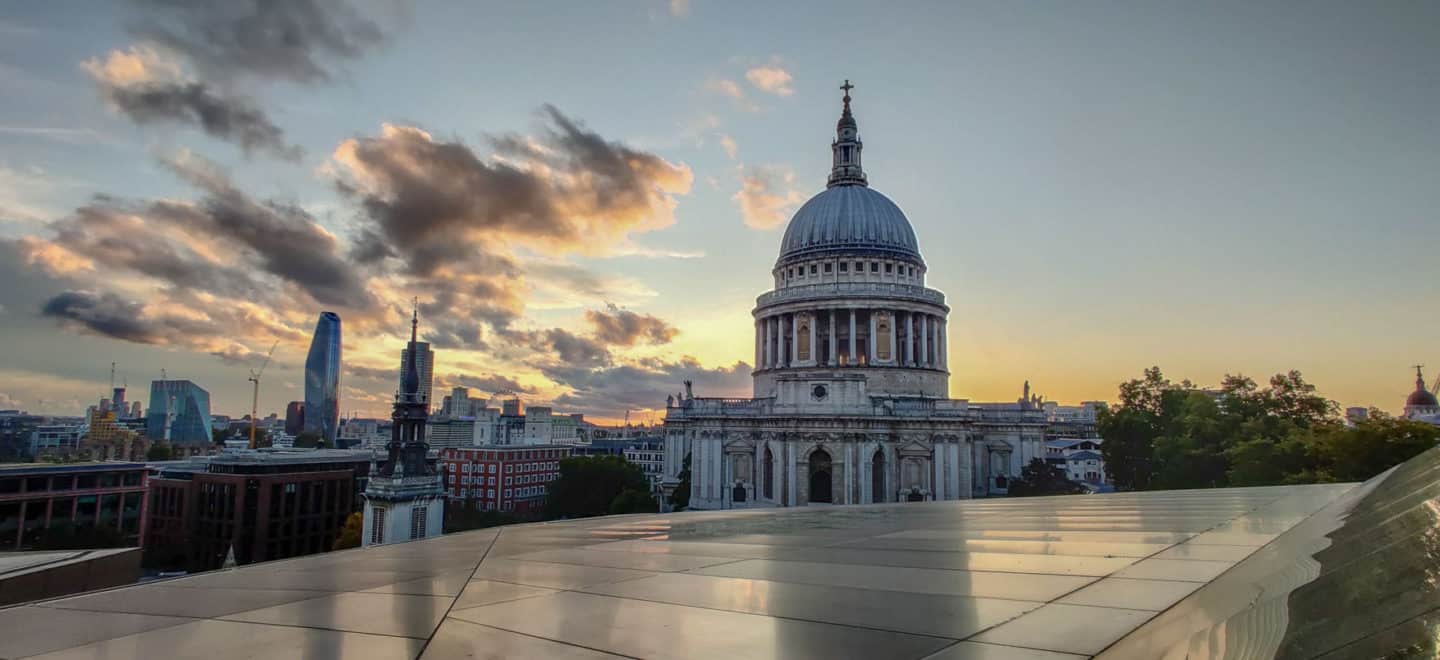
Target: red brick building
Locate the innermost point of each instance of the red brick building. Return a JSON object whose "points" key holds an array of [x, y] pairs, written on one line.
{"points": [[36, 497], [501, 478], [267, 504]]}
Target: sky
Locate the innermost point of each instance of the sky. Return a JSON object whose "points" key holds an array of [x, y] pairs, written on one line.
{"points": [[586, 198]]}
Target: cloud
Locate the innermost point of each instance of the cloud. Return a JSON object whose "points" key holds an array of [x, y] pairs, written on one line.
{"points": [[486, 383], [643, 385], [146, 88], [570, 348], [679, 8], [8, 402], [622, 327], [435, 203], [730, 89], [295, 40], [728, 144], [767, 197], [109, 315], [771, 78]]}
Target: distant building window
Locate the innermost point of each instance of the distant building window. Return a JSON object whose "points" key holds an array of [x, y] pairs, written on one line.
{"points": [[813, 270], [874, 266], [859, 266], [844, 266], [827, 267], [889, 268], [377, 525], [417, 522]]}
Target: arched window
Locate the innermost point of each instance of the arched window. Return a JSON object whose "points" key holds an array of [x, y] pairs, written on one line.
{"points": [[877, 476], [820, 472], [802, 338], [769, 474]]}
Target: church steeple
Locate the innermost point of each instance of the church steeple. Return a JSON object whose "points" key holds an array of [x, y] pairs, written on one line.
{"points": [[845, 168]]}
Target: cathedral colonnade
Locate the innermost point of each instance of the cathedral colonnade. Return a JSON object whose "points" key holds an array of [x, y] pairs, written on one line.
{"points": [[851, 337]]}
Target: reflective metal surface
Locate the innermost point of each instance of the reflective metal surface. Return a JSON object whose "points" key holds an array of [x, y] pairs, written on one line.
{"points": [[1237, 572]]}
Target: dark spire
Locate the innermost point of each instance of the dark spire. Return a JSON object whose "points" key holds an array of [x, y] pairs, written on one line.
{"points": [[411, 383], [1419, 378], [845, 167]]}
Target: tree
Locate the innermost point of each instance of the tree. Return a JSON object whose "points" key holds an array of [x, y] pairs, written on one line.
{"points": [[219, 436], [463, 518], [634, 501], [1372, 446], [588, 485], [159, 452], [1040, 477], [680, 499], [350, 534]]}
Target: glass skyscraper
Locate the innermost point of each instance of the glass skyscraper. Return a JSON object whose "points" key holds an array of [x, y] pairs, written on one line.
{"points": [[179, 413], [322, 379]]}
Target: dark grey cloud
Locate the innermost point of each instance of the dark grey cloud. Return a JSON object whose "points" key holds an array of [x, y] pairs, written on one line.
{"points": [[622, 327], [613, 389], [571, 349], [223, 116], [110, 315], [436, 203], [296, 40]]}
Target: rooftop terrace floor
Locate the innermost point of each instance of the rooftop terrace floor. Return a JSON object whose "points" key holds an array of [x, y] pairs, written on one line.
{"points": [[1032, 578]]}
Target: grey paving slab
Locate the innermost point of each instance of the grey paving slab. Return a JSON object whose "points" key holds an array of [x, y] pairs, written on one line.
{"points": [[26, 631], [485, 592], [981, 651], [1073, 548], [555, 576], [1158, 537], [924, 614], [1206, 552], [1152, 595], [382, 614], [655, 630], [1066, 628], [226, 640], [1015, 586], [639, 561], [164, 600], [458, 638], [332, 578], [448, 584], [1193, 570], [1220, 537]]}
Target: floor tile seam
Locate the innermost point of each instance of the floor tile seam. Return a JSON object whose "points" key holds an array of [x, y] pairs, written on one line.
{"points": [[188, 619], [926, 568], [775, 616], [582, 589], [318, 591], [1021, 554], [1254, 597], [548, 592], [623, 568], [184, 620], [898, 591], [473, 570], [543, 638]]}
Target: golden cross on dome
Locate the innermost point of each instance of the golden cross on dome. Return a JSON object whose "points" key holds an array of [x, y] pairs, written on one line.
{"points": [[847, 87]]}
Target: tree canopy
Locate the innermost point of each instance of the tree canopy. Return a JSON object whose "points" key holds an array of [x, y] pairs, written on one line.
{"points": [[597, 485], [680, 499], [1175, 435], [1040, 477]]}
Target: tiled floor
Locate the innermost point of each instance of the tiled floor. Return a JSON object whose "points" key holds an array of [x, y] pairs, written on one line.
{"points": [[1035, 578]]}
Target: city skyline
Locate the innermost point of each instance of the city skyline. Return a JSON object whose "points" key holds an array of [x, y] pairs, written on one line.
{"points": [[1086, 213]]}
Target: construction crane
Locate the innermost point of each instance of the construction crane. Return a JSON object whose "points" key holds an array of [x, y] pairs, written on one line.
{"points": [[255, 395]]}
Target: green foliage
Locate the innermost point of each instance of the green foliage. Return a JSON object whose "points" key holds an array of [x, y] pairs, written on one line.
{"points": [[589, 485], [634, 501], [680, 499], [1040, 477], [1168, 435], [159, 452], [219, 436], [462, 518], [350, 534]]}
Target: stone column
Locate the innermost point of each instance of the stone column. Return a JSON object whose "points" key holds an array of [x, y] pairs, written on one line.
{"points": [[794, 354], [870, 343], [769, 356], [940, 342], [757, 363], [908, 357], [852, 359], [814, 345], [924, 348], [834, 342], [894, 337]]}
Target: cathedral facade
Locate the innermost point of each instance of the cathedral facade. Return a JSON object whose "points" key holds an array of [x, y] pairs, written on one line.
{"points": [[851, 384]]}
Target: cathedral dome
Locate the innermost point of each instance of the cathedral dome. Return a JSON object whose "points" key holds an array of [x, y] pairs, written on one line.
{"points": [[850, 219], [1421, 399]]}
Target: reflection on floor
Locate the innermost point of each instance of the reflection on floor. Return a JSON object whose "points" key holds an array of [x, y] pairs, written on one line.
{"points": [[994, 579]]}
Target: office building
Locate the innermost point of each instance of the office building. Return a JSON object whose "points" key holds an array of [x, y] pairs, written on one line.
{"points": [[322, 379], [179, 413], [425, 362]]}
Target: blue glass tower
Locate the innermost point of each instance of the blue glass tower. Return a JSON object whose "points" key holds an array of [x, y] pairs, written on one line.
{"points": [[322, 379], [179, 413]]}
